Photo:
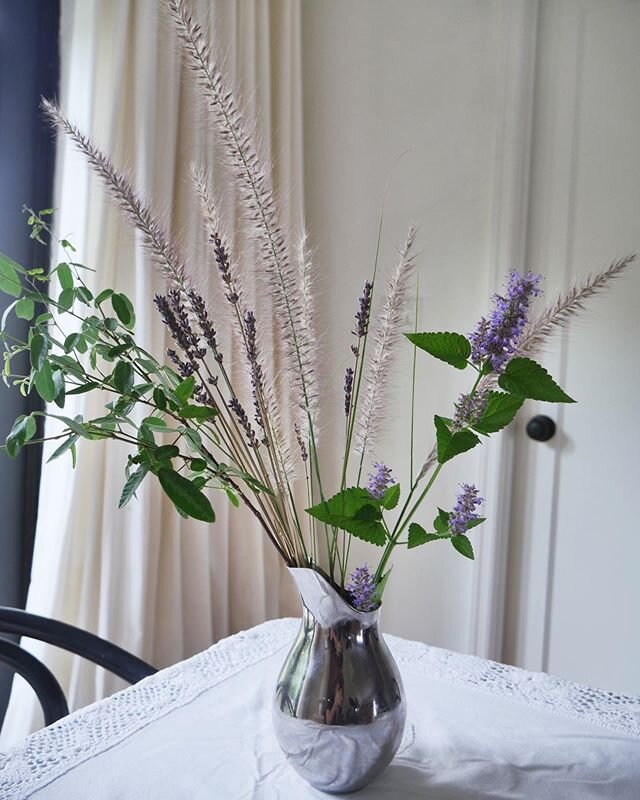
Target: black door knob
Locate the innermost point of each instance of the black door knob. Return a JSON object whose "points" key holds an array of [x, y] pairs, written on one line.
{"points": [[541, 428]]}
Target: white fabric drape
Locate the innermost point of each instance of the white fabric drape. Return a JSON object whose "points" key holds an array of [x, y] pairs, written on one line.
{"points": [[156, 584]]}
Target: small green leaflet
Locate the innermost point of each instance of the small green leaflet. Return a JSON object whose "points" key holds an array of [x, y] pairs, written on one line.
{"points": [[44, 384], [199, 413], [154, 422], [9, 278], [66, 445], [23, 430], [132, 484], [355, 511], [500, 411], [463, 545], [104, 295], [233, 497], [25, 309], [452, 444], [38, 350], [441, 522], [186, 497], [184, 390], [123, 376], [527, 378], [123, 308], [418, 536], [391, 497], [66, 298], [453, 348], [160, 399], [166, 451], [65, 276]]}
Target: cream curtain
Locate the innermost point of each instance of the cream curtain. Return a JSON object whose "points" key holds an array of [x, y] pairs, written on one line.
{"points": [[158, 585]]}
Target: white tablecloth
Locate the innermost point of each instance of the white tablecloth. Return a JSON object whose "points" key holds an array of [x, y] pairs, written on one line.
{"points": [[201, 730]]}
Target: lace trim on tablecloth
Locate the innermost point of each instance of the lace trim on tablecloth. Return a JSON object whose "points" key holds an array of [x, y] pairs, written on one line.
{"points": [[50, 752]]}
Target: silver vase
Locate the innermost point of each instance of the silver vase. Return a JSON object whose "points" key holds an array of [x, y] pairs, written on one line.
{"points": [[339, 709]]}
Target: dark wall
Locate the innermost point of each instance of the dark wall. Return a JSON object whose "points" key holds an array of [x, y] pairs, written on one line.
{"points": [[28, 69]]}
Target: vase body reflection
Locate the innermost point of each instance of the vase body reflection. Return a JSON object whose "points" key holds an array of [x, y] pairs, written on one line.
{"points": [[339, 707]]}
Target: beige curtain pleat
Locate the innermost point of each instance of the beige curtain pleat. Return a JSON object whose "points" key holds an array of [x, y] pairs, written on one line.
{"points": [[160, 586]]}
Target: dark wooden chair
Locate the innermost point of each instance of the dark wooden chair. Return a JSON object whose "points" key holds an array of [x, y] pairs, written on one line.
{"points": [[93, 648]]}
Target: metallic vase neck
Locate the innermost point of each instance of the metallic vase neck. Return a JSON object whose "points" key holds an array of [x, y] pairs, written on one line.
{"points": [[325, 604]]}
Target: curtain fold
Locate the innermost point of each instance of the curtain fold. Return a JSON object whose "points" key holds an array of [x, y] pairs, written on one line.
{"points": [[154, 583]]}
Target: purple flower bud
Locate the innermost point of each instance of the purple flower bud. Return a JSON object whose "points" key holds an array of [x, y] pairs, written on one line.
{"points": [[348, 389], [361, 588], [496, 338], [364, 311], [464, 511], [379, 481], [469, 409]]}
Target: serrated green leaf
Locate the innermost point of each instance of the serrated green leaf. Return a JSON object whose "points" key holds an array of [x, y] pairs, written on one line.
{"points": [[65, 276], [391, 497], [132, 485], [527, 378], [441, 522], [450, 444], [185, 496], [199, 413], [500, 411], [44, 384], [463, 545], [25, 309], [9, 277], [123, 377], [418, 536], [341, 511], [453, 348], [124, 310]]}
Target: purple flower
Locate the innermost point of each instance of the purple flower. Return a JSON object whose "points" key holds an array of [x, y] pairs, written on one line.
{"points": [[361, 588], [363, 314], [469, 409], [380, 481], [464, 512], [496, 338]]}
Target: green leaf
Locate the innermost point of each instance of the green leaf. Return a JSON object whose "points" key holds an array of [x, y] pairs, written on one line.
{"points": [[391, 497], [376, 597], [233, 497], [9, 278], [452, 444], [185, 389], [38, 350], [198, 465], [65, 276], [342, 510], [453, 348], [441, 522], [66, 298], [84, 295], [154, 422], [418, 536], [185, 496], [25, 309], [123, 376], [66, 445], [527, 378], [500, 411], [111, 324], [463, 545], [475, 522], [44, 384], [124, 310], [200, 413], [166, 451], [86, 387], [23, 430], [104, 295], [58, 382], [159, 399], [132, 484]]}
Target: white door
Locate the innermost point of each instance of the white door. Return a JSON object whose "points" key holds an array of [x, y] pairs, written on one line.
{"points": [[573, 575]]}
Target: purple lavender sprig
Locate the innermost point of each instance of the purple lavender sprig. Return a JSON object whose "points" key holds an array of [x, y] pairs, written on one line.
{"points": [[380, 480], [348, 390], [469, 408], [222, 260], [361, 588], [199, 308], [464, 512], [363, 315], [236, 406], [257, 384], [496, 338], [181, 333]]}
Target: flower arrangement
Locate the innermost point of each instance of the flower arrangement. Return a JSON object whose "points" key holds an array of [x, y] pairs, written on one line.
{"points": [[192, 428]]}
